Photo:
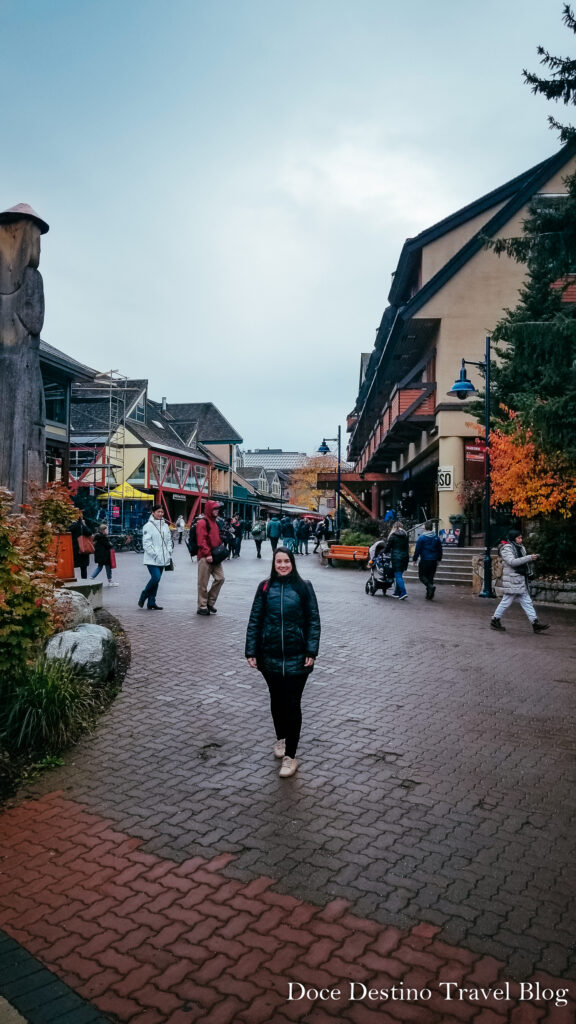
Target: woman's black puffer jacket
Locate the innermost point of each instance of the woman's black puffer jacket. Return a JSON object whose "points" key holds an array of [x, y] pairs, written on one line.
{"points": [[398, 547], [284, 628], [102, 548]]}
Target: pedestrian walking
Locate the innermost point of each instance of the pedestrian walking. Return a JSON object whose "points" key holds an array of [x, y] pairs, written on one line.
{"points": [[397, 547], [282, 641], [180, 527], [238, 527], [429, 551], [320, 534], [81, 545], [211, 553], [303, 536], [516, 571], [259, 535], [103, 553], [157, 543], [273, 531], [287, 533]]}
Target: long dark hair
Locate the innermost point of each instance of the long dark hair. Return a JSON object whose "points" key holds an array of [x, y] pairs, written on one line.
{"points": [[294, 578], [294, 575]]}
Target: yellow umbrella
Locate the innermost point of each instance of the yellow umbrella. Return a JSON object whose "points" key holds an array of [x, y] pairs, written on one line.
{"points": [[127, 492]]}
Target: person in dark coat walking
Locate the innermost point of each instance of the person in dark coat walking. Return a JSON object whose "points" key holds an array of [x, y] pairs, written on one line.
{"points": [[102, 554], [397, 547], [429, 550], [273, 531], [282, 641], [81, 559]]}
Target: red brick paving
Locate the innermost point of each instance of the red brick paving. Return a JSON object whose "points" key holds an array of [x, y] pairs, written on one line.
{"points": [[151, 942]]}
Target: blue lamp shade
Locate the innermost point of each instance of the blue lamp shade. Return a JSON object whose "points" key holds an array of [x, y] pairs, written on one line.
{"points": [[324, 449], [462, 387]]}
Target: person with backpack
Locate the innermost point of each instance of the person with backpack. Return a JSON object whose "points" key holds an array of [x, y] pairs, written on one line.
{"points": [[516, 571], [282, 641], [211, 554], [259, 534], [273, 531]]}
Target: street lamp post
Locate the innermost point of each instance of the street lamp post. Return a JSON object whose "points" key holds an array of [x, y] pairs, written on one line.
{"points": [[324, 449], [462, 388]]}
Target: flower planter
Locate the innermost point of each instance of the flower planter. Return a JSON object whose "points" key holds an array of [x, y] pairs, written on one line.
{"points": [[62, 552]]}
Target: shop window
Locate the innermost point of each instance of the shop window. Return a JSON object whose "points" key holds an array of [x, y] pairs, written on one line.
{"points": [[55, 398]]}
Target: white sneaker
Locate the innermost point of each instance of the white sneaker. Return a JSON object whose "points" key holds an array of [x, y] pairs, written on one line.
{"points": [[289, 766], [113, 584], [279, 748]]}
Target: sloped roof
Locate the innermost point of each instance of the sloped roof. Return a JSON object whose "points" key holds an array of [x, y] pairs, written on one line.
{"points": [[514, 195], [94, 415], [157, 432], [249, 473], [204, 419], [270, 458], [61, 361]]}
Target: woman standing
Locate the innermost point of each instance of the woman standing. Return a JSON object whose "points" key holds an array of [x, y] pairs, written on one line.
{"points": [[157, 542], [282, 641], [102, 553], [397, 546], [81, 558]]}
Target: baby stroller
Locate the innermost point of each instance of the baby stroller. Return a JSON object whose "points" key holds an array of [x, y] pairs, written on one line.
{"points": [[381, 572]]}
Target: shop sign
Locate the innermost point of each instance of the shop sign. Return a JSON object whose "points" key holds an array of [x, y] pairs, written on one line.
{"points": [[475, 452], [445, 478], [115, 511]]}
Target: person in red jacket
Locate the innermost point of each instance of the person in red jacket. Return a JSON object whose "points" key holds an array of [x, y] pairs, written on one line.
{"points": [[208, 536]]}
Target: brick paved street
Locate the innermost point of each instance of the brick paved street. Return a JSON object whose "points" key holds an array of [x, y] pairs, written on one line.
{"points": [[166, 875]]}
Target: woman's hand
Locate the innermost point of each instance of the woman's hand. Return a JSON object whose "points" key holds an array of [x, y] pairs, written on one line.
{"points": [[251, 662], [309, 663]]}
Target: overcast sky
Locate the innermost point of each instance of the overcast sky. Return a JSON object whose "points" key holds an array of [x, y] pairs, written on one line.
{"points": [[229, 183]]}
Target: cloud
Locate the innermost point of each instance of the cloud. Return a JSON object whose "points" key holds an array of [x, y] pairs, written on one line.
{"points": [[363, 174]]}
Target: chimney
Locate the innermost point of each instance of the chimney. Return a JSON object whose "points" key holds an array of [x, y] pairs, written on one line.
{"points": [[164, 405]]}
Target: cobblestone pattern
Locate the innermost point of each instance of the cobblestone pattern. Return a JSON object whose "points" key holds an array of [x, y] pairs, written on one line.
{"points": [[149, 941], [437, 760]]}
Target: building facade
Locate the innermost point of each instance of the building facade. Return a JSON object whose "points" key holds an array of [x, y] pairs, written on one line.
{"points": [[448, 293]]}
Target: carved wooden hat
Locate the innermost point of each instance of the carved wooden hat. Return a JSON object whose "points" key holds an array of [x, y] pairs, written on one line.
{"points": [[22, 212]]}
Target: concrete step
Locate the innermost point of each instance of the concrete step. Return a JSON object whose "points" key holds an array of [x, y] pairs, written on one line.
{"points": [[455, 567]]}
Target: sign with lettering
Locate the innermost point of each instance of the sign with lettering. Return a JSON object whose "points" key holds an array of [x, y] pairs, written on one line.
{"points": [[445, 478]]}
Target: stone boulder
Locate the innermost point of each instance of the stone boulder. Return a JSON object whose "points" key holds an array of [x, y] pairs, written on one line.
{"points": [[90, 648], [72, 608]]}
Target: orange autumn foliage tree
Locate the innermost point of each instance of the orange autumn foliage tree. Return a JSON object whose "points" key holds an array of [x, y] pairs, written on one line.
{"points": [[303, 486], [532, 482]]}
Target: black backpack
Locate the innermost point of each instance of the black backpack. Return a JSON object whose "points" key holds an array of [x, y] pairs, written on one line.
{"points": [[192, 541]]}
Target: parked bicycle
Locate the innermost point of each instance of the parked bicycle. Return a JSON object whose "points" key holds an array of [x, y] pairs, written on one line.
{"points": [[127, 541]]}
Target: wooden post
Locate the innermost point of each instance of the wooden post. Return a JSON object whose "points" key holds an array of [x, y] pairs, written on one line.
{"points": [[23, 443]]}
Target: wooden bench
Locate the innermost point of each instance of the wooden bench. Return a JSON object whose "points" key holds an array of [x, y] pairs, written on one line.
{"points": [[357, 553]]}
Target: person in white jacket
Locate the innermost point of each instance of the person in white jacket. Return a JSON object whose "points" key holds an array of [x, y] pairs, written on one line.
{"points": [[157, 542], [515, 573]]}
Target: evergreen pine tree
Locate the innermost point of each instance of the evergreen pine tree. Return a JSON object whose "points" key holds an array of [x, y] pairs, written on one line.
{"points": [[535, 373], [562, 84]]}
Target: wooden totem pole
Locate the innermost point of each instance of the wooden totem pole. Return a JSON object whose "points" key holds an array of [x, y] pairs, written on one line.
{"points": [[22, 435]]}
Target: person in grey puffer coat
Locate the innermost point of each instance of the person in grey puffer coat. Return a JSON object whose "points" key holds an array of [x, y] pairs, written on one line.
{"points": [[515, 573], [282, 641]]}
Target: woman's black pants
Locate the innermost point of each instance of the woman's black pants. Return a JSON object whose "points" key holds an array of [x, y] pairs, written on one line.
{"points": [[285, 696]]}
